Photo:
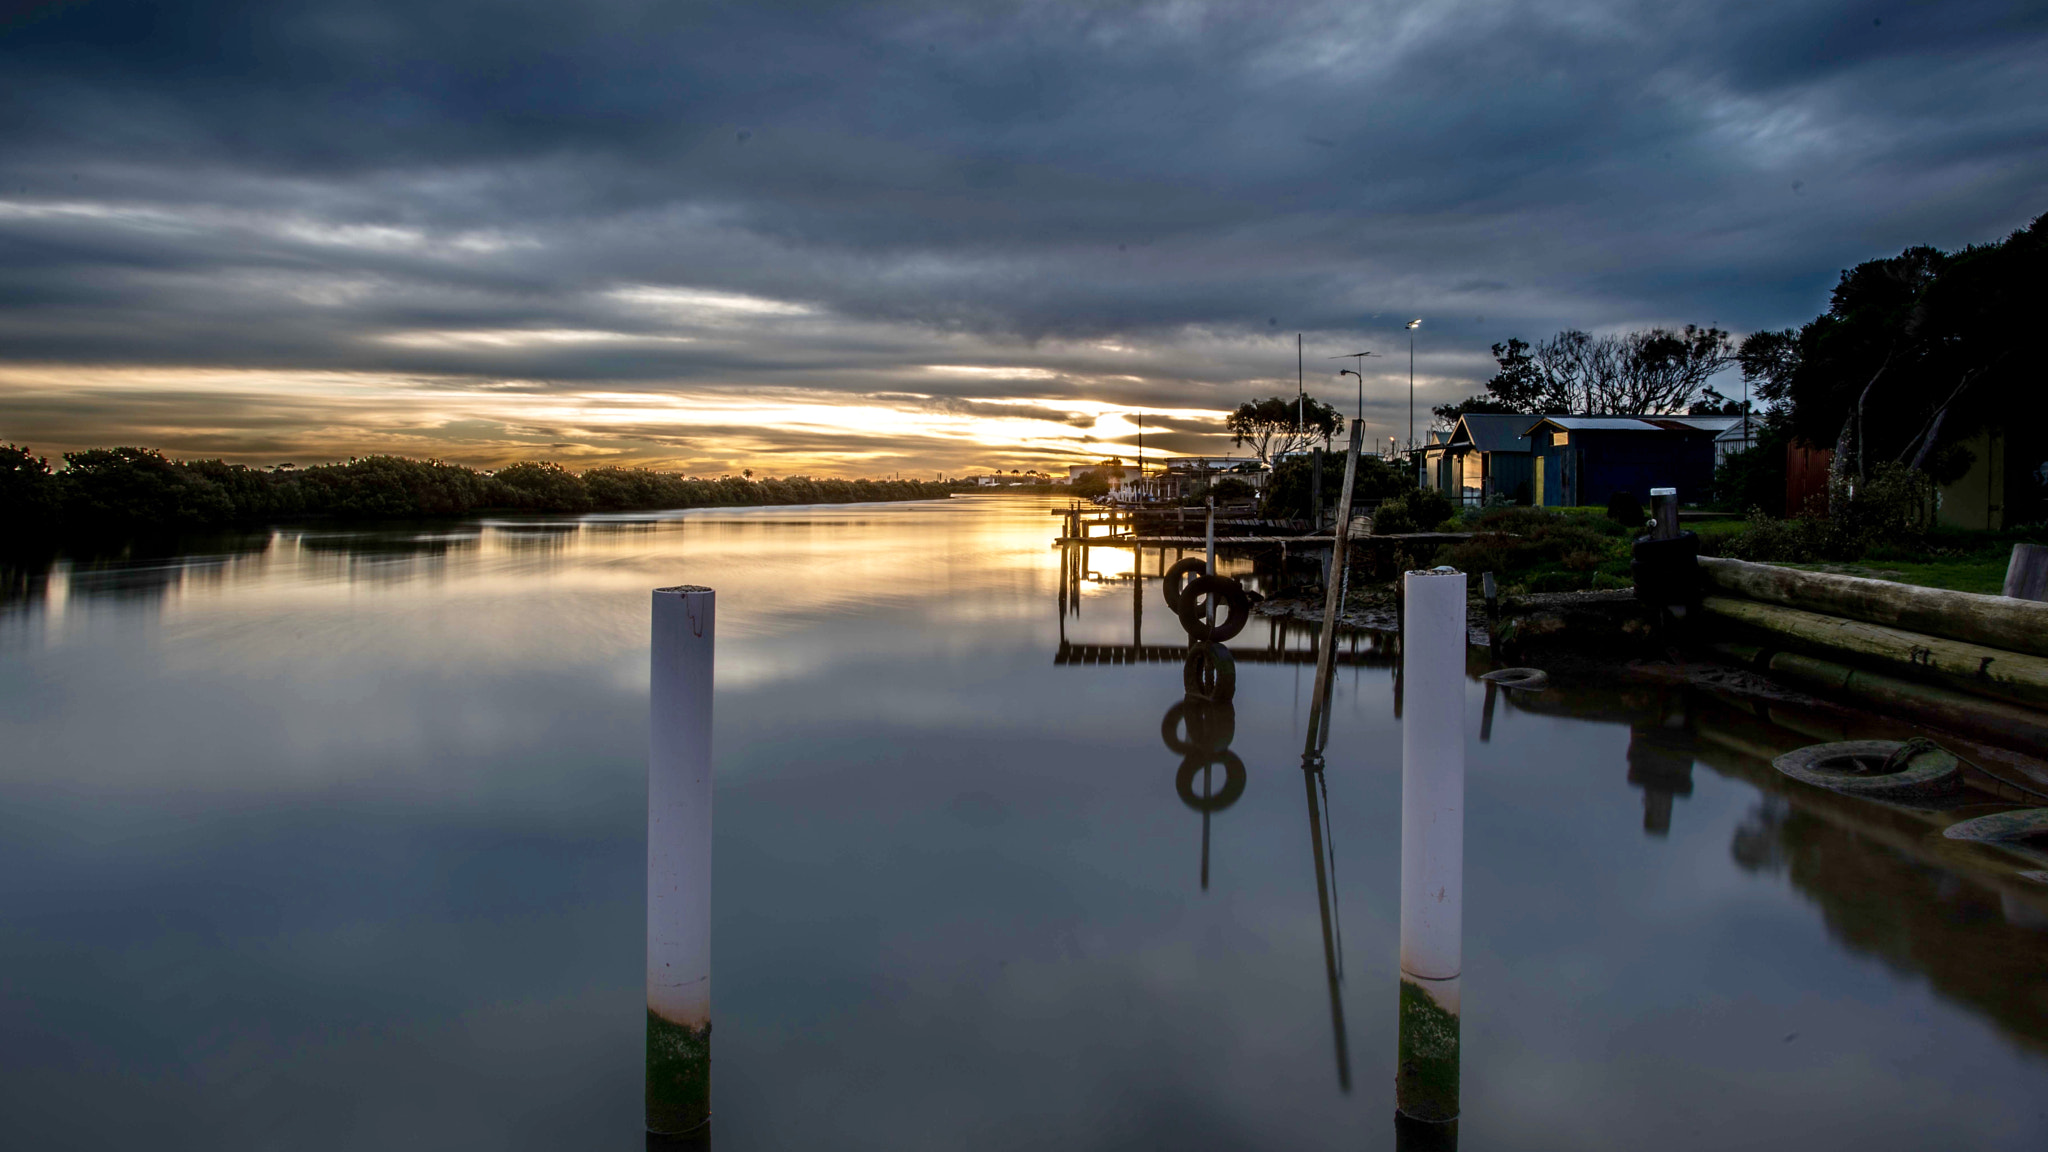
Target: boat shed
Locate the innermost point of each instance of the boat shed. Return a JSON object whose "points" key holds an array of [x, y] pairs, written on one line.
{"points": [[1587, 459], [1485, 455]]}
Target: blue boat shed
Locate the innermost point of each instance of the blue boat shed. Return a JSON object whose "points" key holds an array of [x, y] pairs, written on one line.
{"points": [[1578, 460]]}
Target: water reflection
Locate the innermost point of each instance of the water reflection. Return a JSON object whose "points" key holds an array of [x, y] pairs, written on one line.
{"points": [[1199, 731], [341, 830], [1970, 918]]}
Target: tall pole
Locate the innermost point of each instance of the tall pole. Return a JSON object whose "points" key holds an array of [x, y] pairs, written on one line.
{"points": [[1326, 645], [1358, 369], [678, 1096], [1300, 389], [1432, 847]]}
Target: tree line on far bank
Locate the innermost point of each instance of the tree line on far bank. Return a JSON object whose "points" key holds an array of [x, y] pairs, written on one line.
{"points": [[130, 490]]}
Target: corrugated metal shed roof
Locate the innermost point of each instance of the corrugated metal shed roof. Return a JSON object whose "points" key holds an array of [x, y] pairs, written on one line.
{"points": [[1634, 423], [1703, 423], [1490, 432]]}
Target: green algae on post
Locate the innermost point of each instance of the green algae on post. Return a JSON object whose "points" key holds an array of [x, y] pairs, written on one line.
{"points": [[678, 1075], [1426, 1075]]}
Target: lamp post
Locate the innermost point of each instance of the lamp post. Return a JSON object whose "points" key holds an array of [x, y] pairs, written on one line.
{"points": [[1412, 326], [1360, 373]]}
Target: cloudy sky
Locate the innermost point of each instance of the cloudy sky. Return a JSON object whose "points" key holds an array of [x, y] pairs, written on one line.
{"points": [[863, 239]]}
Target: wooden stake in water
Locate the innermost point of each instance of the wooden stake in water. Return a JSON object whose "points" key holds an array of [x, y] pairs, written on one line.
{"points": [[1432, 844], [679, 862], [1326, 646]]}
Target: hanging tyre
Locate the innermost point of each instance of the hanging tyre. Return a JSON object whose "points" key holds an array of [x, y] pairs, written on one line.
{"points": [[1177, 578], [1228, 595]]}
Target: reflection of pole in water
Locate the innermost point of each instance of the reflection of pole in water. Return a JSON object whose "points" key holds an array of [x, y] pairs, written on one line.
{"points": [[1066, 565], [1660, 763], [1209, 725], [679, 862], [1137, 596], [1432, 848], [1486, 715], [1326, 905]]}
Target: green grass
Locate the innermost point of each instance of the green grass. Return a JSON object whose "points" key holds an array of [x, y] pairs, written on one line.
{"points": [[1982, 571]]}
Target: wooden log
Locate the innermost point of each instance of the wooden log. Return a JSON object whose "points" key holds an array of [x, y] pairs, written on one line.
{"points": [[1994, 621], [1995, 720], [2026, 574], [1972, 668]]}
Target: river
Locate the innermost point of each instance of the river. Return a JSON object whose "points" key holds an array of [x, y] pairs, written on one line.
{"points": [[332, 838]]}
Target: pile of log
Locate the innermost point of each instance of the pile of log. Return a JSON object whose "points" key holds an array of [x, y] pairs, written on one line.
{"points": [[1957, 660]]}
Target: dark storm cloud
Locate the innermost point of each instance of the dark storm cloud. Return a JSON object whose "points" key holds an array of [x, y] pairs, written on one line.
{"points": [[1139, 202]]}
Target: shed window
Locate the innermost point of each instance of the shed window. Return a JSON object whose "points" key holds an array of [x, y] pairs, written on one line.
{"points": [[1560, 439]]}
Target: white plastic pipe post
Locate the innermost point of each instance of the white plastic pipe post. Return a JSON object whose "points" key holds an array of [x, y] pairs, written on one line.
{"points": [[679, 861], [1432, 843]]}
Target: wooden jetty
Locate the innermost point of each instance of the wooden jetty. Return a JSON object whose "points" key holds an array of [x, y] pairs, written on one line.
{"points": [[1127, 541], [1072, 653]]}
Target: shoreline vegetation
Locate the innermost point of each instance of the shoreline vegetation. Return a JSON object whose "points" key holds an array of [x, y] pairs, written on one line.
{"points": [[115, 491]]}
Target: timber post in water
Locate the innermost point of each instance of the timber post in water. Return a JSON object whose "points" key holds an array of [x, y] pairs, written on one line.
{"points": [[1326, 641], [1432, 852], [679, 862]]}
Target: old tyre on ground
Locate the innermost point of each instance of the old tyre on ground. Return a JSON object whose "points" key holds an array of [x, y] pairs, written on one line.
{"points": [[1210, 673], [2022, 826], [1524, 679], [1228, 595], [1880, 769], [1224, 797], [1177, 578]]}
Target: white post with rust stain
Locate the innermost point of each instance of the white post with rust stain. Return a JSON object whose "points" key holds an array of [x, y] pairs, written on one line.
{"points": [[1432, 843], [679, 861]]}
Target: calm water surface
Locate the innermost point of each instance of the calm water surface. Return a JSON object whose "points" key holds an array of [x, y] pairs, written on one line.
{"points": [[336, 840]]}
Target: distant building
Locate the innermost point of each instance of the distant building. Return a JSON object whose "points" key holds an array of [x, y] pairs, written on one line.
{"points": [[1482, 456], [1578, 460]]}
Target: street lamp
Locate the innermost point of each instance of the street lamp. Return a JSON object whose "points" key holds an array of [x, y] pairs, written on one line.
{"points": [[1360, 358], [1412, 326]]}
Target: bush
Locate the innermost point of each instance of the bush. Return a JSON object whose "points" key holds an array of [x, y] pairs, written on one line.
{"points": [[1420, 510], [1291, 487], [28, 494], [1624, 509], [136, 490], [1801, 541], [544, 487], [1892, 509]]}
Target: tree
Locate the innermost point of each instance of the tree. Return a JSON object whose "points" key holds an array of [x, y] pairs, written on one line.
{"points": [[1917, 351], [1769, 361], [1659, 370], [1277, 426], [28, 494], [1634, 374]]}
